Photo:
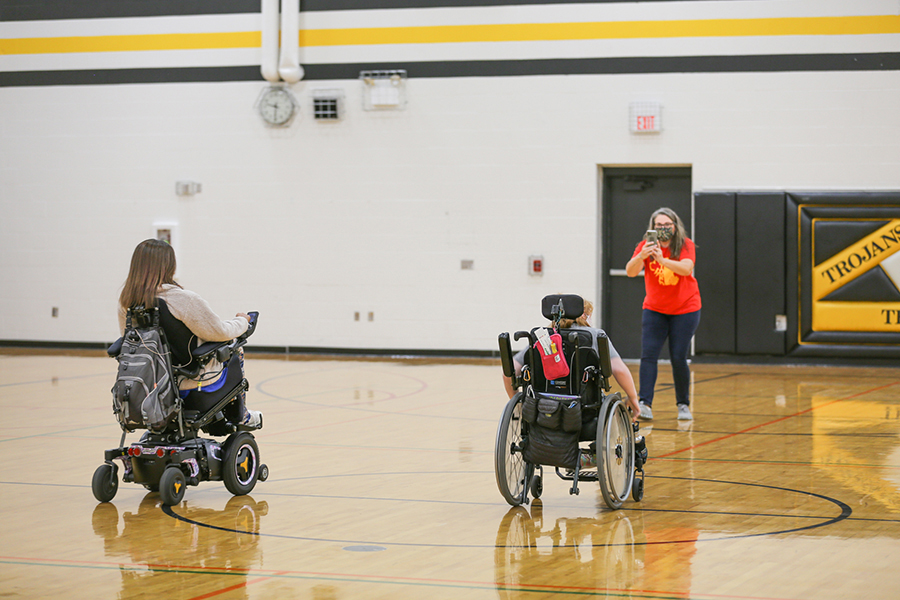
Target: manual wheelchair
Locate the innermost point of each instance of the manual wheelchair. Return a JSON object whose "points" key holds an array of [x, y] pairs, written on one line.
{"points": [[168, 461], [547, 420]]}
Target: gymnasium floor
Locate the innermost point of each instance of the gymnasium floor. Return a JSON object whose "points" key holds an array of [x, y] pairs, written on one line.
{"points": [[785, 486]]}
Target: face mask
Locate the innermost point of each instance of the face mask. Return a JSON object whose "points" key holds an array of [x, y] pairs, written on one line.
{"points": [[665, 233]]}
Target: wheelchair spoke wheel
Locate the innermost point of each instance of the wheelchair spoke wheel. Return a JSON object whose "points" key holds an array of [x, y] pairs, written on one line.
{"points": [[240, 469], [615, 453], [513, 473]]}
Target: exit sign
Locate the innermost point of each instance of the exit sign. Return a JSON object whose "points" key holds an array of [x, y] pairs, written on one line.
{"points": [[644, 117]]}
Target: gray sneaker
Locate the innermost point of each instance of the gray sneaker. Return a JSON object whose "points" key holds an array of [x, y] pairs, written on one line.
{"points": [[684, 413], [646, 412]]}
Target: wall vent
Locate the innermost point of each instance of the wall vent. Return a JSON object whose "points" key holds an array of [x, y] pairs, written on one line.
{"points": [[327, 105]]}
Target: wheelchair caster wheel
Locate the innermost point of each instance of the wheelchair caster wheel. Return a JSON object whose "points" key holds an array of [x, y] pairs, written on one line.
{"points": [[105, 483], [637, 489], [537, 486], [171, 486], [263, 472]]}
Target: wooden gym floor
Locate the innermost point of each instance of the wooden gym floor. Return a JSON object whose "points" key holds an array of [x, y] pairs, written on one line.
{"points": [[785, 486]]}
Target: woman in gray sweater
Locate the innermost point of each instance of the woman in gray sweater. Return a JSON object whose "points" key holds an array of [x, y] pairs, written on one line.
{"points": [[152, 276]]}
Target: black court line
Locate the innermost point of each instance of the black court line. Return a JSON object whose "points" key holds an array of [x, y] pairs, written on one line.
{"points": [[845, 512]]}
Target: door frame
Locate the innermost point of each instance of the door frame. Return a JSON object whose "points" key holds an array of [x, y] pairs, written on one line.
{"points": [[603, 267]]}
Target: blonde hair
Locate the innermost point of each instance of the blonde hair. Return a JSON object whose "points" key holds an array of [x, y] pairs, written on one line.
{"points": [[582, 320], [152, 265]]}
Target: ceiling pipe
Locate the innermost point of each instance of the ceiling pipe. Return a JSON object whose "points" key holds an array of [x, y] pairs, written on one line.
{"points": [[289, 65], [270, 22]]}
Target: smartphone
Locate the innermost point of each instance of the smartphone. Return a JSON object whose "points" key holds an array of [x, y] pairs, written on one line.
{"points": [[651, 236]]}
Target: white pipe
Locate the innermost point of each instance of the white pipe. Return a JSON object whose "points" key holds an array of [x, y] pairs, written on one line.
{"points": [[269, 65], [289, 66]]}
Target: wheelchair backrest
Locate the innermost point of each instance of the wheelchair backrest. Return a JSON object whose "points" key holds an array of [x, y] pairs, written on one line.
{"points": [[582, 358], [180, 340]]}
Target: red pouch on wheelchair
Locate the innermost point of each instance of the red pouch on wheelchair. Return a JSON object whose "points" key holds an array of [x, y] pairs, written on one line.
{"points": [[554, 364]]}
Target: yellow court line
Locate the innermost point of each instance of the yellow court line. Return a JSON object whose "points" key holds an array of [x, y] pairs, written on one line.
{"points": [[444, 34]]}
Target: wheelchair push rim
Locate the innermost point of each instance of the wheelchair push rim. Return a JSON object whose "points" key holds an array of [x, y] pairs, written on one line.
{"points": [[615, 450], [509, 465]]}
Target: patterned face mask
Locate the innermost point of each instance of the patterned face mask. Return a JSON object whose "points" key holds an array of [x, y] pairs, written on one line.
{"points": [[665, 232]]}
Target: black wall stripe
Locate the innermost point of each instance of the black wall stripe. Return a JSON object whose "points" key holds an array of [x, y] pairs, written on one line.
{"points": [[37, 10], [502, 68], [620, 66], [113, 76], [41, 10]]}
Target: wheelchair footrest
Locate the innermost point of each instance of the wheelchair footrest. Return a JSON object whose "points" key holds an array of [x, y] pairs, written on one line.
{"points": [[569, 475]]}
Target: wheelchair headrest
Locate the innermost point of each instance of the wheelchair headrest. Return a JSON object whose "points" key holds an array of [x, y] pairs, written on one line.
{"points": [[572, 306]]}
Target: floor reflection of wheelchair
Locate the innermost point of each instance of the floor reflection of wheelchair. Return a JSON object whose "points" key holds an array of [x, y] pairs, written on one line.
{"points": [[547, 420], [136, 537], [169, 461], [594, 553]]}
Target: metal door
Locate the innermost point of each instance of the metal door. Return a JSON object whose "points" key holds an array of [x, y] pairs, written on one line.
{"points": [[630, 195]]}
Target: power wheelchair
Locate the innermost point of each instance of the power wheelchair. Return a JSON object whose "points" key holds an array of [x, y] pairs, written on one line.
{"points": [[547, 420], [168, 461]]}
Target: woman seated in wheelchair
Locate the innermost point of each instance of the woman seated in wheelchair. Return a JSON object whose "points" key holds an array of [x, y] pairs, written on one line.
{"points": [[188, 321], [619, 369]]}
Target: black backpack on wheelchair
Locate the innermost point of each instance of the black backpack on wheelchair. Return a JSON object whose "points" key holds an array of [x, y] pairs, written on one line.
{"points": [[156, 352], [562, 410]]}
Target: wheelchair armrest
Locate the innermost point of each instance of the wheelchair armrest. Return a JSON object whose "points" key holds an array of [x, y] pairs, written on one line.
{"points": [[222, 351], [506, 357], [114, 350], [605, 361], [204, 351]]}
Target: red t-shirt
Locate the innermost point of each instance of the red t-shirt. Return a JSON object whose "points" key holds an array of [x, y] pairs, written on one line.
{"points": [[667, 292]]}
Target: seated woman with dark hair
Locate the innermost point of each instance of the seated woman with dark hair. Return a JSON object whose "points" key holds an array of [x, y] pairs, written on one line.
{"points": [[152, 277]]}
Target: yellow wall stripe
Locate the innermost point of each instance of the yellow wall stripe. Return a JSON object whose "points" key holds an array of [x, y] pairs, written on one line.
{"points": [[605, 30], [442, 34], [132, 43]]}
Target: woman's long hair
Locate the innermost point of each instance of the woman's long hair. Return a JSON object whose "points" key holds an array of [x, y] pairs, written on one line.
{"points": [[152, 265], [680, 234]]}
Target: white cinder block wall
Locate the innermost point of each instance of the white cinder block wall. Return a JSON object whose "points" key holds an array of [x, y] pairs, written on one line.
{"points": [[375, 213]]}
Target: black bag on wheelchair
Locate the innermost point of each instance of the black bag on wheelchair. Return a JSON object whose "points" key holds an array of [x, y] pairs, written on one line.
{"points": [[144, 395], [555, 428]]}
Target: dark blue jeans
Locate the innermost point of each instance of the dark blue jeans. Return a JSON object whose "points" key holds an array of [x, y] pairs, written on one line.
{"points": [[655, 328]]}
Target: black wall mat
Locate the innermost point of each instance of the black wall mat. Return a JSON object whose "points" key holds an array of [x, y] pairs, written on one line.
{"points": [[715, 272], [760, 268]]}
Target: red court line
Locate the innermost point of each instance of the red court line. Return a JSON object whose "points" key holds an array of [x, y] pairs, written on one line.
{"points": [[802, 412], [231, 588], [264, 574]]}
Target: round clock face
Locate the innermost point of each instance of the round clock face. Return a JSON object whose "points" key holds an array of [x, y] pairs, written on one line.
{"points": [[276, 106]]}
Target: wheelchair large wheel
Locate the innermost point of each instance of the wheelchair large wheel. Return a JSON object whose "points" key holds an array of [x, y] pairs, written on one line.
{"points": [[513, 473], [615, 452], [240, 469]]}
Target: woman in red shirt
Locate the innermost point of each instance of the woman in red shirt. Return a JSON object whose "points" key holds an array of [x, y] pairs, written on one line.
{"points": [[671, 306]]}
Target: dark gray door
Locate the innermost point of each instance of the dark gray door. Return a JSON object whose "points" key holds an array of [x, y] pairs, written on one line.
{"points": [[630, 195]]}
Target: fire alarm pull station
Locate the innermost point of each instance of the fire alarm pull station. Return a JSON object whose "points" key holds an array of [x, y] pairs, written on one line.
{"points": [[535, 265]]}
